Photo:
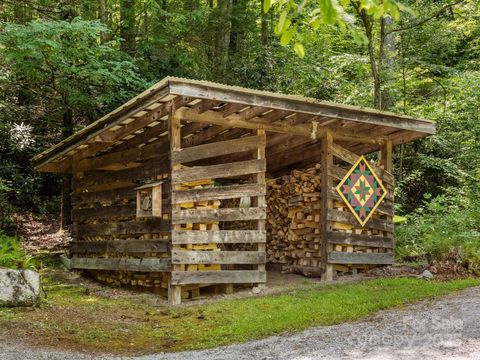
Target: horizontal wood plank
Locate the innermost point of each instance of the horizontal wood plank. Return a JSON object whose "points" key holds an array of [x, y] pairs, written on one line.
{"points": [[218, 237], [146, 152], [127, 193], [106, 212], [238, 168], [218, 277], [210, 150], [224, 214], [348, 218], [336, 237], [119, 246], [218, 193], [336, 257], [218, 257], [148, 265], [152, 168], [122, 228]]}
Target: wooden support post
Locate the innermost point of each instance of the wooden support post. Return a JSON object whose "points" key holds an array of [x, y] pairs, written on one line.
{"points": [[259, 201], [386, 156], [386, 161], [174, 135], [327, 205]]}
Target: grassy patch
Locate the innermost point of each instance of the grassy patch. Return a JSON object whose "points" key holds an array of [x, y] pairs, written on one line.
{"points": [[73, 319]]}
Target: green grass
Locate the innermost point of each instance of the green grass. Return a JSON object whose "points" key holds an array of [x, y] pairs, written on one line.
{"points": [[71, 319]]}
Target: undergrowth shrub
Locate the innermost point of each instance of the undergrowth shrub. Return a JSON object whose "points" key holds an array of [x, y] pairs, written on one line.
{"points": [[12, 254], [445, 229]]}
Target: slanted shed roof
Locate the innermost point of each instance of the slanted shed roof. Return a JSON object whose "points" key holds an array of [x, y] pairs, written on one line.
{"points": [[213, 111]]}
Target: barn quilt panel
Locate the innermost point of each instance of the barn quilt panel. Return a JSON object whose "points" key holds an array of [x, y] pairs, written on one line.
{"points": [[362, 190]]}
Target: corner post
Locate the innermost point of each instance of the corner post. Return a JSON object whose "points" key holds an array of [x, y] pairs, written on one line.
{"points": [[327, 204], [260, 201], [175, 139]]}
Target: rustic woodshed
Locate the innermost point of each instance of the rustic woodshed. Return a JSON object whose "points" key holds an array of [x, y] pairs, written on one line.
{"points": [[169, 190]]}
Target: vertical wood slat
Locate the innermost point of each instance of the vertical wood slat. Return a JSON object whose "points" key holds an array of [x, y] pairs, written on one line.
{"points": [[327, 204], [386, 161], [174, 135], [259, 201]]}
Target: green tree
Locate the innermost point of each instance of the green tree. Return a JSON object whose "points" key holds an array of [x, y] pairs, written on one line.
{"points": [[65, 77]]}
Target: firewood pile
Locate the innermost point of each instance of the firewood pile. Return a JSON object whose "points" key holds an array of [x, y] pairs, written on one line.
{"points": [[293, 226]]}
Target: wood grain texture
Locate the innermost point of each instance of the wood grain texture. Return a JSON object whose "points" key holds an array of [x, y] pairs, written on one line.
{"points": [[122, 228], [218, 277], [144, 265], [218, 171], [336, 237], [348, 218], [119, 246], [217, 193], [107, 212], [336, 257], [223, 214], [217, 257], [205, 151], [218, 237]]}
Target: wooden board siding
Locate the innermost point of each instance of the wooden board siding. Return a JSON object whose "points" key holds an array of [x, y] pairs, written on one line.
{"points": [[187, 252], [122, 228], [218, 277], [217, 257], [119, 246], [239, 168], [144, 265], [205, 151], [105, 227], [335, 237], [336, 257], [218, 193], [371, 244], [218, 237], [210, 215]]}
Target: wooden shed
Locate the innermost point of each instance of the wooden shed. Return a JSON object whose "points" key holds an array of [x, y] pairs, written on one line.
{"points": [[169, 190]]}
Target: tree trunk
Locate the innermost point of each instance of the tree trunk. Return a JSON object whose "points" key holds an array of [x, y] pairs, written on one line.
{"points": [[264, 25], [66, 208], [222, 41], [238, 24], [192, 4], [387, 47], [102, 16], [127, 26]]}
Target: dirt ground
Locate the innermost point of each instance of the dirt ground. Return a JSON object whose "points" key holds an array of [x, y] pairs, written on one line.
{"points": [[277, 282], [447, 328]]}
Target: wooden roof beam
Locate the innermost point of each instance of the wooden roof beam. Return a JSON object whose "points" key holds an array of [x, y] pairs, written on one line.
{"points": [[282, 102], [307, 130]]}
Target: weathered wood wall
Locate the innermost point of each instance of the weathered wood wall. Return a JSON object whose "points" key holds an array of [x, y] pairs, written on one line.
{"points": [[110, 241], [349, 246], [195, 226]]}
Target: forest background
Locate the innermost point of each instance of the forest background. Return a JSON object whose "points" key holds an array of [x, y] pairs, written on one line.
{"points": [[63, 64]]}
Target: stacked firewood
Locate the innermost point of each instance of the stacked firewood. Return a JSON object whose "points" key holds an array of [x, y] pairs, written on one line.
{"points": [[277, 221], [293, 230]]}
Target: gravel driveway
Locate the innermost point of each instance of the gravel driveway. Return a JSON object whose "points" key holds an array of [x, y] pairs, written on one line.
{"points": [[444, 329]]}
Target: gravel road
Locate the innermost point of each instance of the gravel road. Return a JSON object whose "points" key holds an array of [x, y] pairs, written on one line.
{"points": [[448, 328]]}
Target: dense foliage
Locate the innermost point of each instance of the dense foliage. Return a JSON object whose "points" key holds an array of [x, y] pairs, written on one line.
{"points": [[64, 64]]}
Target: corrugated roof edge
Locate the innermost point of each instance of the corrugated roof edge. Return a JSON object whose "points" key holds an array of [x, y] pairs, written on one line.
{"points": [[106, 121], [299, 98]]}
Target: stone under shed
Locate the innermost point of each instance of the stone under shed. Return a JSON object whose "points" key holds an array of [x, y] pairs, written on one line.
{"points": [[169, 190]]}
